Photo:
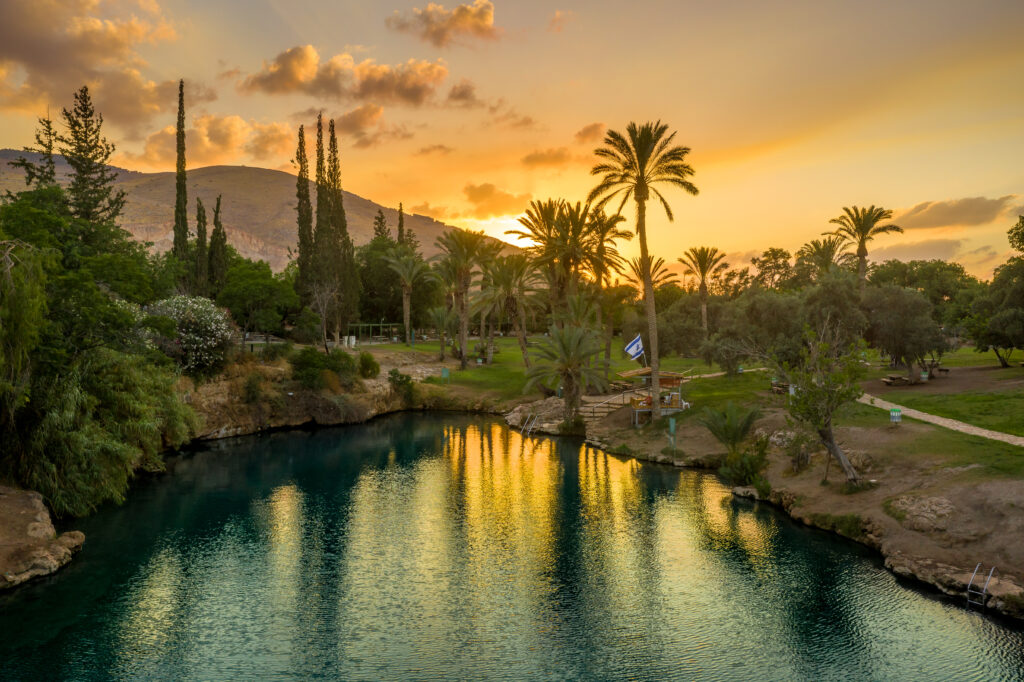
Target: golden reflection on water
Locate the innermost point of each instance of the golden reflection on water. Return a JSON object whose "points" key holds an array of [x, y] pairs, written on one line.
{"points": [[284, 518], [152, 617]]}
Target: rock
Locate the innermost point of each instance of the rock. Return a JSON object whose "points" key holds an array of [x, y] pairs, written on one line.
{"points": [[548, 412], [924, 514], [29, 545], [746, 491]]}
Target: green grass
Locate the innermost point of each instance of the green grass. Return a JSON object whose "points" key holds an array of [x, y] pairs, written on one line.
{"points": [[995, 410], [944, 447]]}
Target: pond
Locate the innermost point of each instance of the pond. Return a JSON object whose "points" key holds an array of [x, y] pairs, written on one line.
{"points": [[433, 546]]}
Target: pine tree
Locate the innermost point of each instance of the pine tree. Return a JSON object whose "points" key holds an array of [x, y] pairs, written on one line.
{"points": [[401, 224], [202, 266], [180, 248], [91, 195], [218, 257], [44, 173], [380, 226], [305, 219]]}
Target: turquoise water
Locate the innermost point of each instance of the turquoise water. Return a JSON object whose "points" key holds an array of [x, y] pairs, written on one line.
{"points": [[447, 547]]}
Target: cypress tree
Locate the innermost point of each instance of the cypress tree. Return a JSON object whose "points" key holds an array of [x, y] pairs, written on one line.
{"points": [[180, 248], [91, 193], [321, 194], [401, 224], [305, 219], [217, 268], [202, 266], [345, 271]]}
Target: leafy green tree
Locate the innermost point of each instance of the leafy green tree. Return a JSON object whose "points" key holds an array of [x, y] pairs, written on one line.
{"points": [[380, 226], [410, 270], [257, 300], [180, 247], [217, 268], [565, 359], [939, 281], [22, 315], [773, 268], [826, 377], [996, 320], [861, 225], [383, 299], [1016, 234], [304, 211], [901, 325], [703, 262], [635, 165]]}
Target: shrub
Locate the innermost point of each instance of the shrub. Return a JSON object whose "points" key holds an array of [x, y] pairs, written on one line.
{"points": [[275, 351], [313, 369], [744, 468], [368, 366], [252, 389], [202, 333], [799, 449], [401, 385]]}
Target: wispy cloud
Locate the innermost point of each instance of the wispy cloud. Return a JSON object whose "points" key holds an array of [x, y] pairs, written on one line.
{"points": [[966, 212]]}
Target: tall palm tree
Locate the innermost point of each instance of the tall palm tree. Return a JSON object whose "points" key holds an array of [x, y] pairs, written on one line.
{"points": [[635, 165], [512, 284], [603, 259], [461, 248], [861, 225], [660, 274], [824, 254], [539, 224], [565, 359], [411, 269], [704, 263]]}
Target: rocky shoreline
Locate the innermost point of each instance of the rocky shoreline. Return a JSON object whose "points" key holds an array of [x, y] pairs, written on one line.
{"points": [[30, 547]]}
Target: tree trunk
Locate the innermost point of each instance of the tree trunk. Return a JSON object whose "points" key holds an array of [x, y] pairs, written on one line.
{"points": [[862, 266], [520, 321], [608, 338], [490, 339], [1002, 361], [406, 295], [652, 315], [440, 332], [463, 326], [829, 441], [571, 396]]}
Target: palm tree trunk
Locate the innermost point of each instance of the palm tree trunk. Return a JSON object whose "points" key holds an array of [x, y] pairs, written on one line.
{"points": [[490, 338], [441, 334], [652, 314], [862, 266], [463, 326], [406, 295], [520, 322]]}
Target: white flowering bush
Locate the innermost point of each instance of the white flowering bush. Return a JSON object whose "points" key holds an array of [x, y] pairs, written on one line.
{"points": [[203, 333]]}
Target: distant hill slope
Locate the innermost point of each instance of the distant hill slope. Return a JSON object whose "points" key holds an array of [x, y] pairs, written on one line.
{"points": [[258, 208]]}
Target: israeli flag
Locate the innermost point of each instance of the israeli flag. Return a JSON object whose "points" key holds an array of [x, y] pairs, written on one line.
{"points": [[635, 348]]}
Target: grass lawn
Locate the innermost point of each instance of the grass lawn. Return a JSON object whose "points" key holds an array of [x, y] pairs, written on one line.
{"points": [[948, 448], [996, 410]]}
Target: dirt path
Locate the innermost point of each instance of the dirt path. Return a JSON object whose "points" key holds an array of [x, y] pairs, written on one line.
{"points": [[944, 422]]}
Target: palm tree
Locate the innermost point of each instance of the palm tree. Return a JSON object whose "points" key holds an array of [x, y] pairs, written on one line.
{"points": [[539, 224], [704, 263], [860, 225], [660, 274], [461, 248], [512, 283], [441, 318], [730, 426], [824, 254], [565, 359], [410, 269], [635, 165], [602, 260]]}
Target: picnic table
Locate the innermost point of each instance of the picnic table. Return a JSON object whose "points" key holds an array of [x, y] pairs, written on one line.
{"points": [[895, 379]]}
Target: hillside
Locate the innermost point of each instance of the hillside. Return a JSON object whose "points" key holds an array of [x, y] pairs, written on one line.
{"points": [[258, 208]]}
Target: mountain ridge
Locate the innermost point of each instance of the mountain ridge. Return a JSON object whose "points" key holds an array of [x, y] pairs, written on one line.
{"points": [[257, 208]]}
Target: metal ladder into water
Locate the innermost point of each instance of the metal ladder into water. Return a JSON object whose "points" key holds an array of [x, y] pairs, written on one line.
{"points": [[528, 425], [974, 595]]}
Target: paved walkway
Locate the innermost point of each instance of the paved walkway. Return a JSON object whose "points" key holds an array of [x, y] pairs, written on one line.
{"points": [[945, 422]]}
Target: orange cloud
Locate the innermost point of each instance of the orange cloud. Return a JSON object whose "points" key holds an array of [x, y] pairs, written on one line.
{"points": [[548, 157], [359, 120], [965, 212], [441, 149], [490, 202], [590, 133], [59, 45], [299, 70], [559, 20], [443, 27], [463, 94], [435, 212], [213, 140]]}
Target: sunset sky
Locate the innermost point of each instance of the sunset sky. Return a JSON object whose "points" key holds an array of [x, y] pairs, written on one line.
{"points": [[466, 112]]}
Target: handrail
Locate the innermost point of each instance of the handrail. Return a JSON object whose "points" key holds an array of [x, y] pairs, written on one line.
{"points": [[618, 396]]}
